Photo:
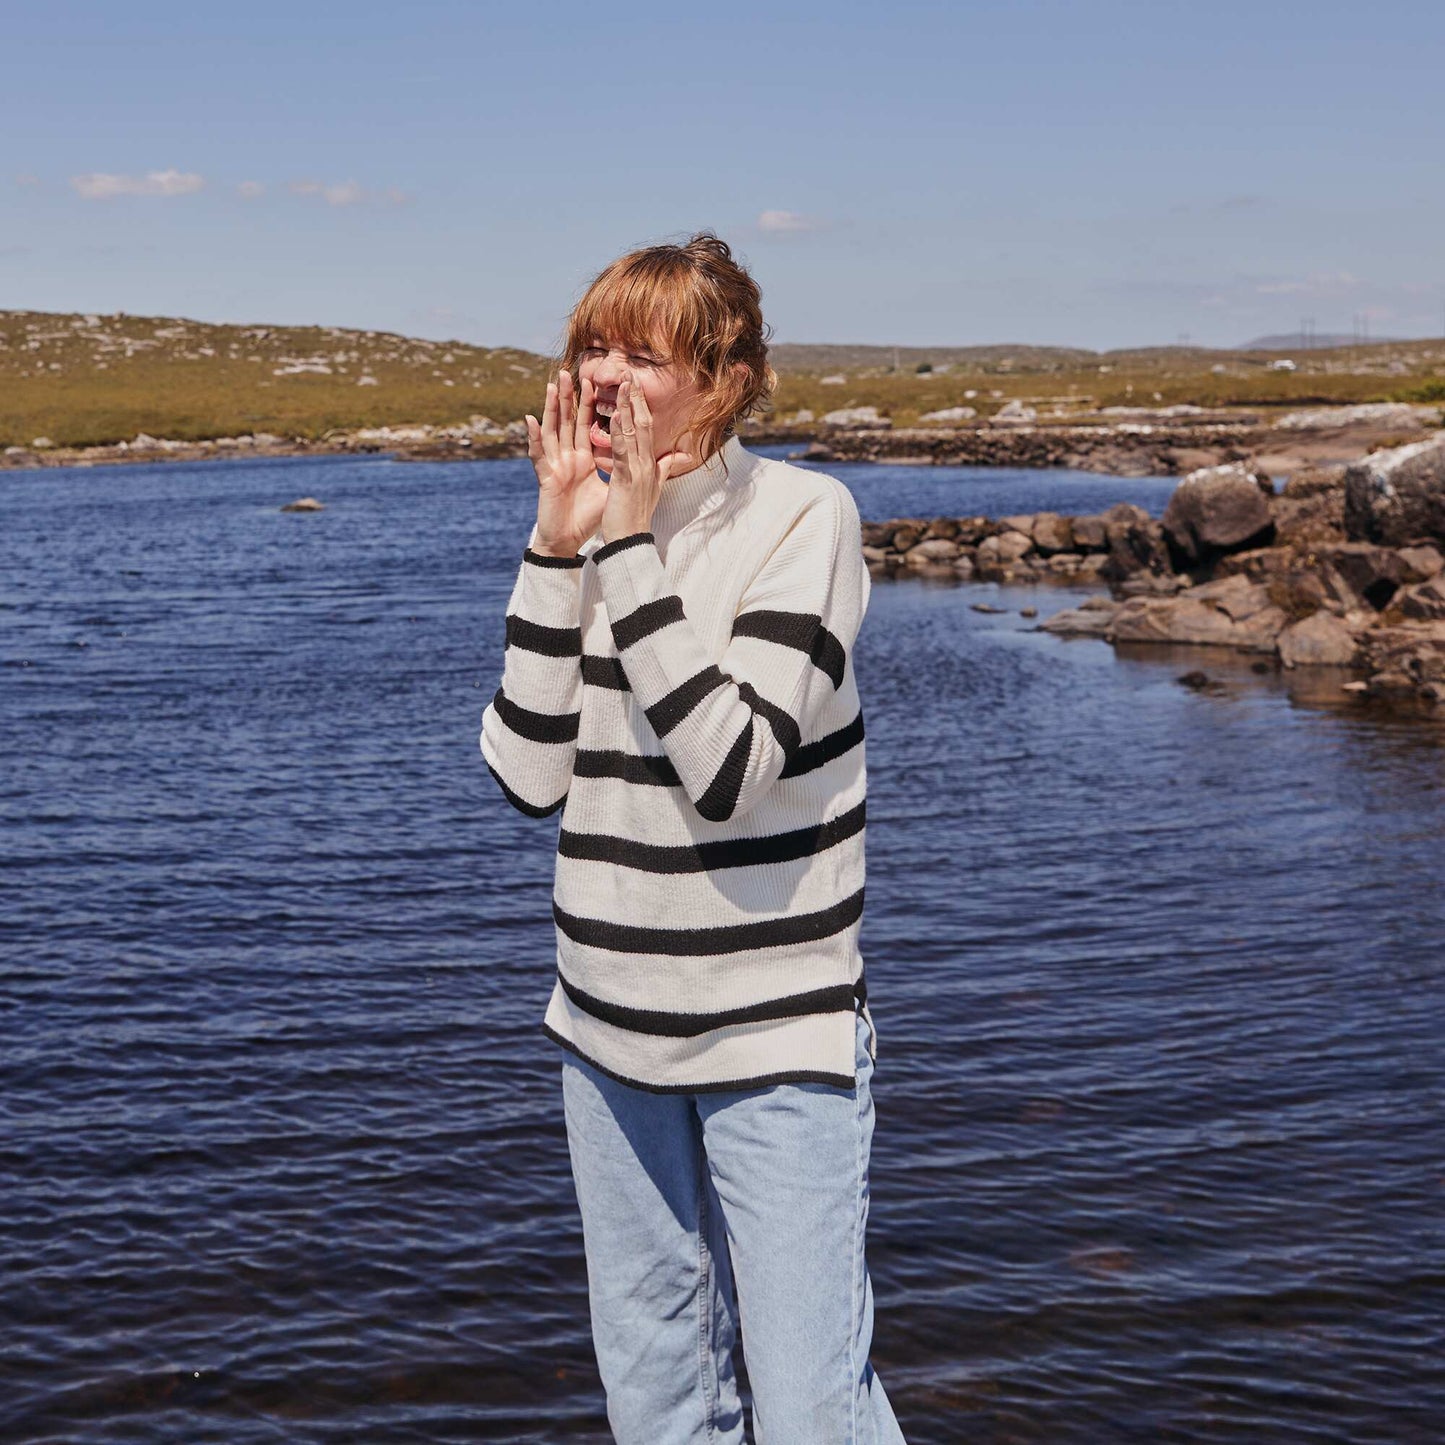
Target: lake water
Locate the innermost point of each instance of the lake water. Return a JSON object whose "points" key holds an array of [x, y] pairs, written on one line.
{"points": [[1158, 977]]}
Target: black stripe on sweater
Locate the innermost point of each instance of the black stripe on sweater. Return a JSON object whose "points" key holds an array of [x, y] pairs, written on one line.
{"points": [[532, 810], [665, 714], [722, 853], [653, 769], [801, 630], [619, 544], [549, 641], [822, 752], [536, 727], [541, 559], [645, 620], [720, 797], [656, 769], [836, 999], [699, 942], [724, 1086], [599, 671]]}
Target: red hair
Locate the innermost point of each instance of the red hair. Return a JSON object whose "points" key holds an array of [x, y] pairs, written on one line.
{"points": [[705, 312]]}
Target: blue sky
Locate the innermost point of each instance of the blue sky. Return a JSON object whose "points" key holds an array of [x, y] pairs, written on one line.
{"points": [[1088, 172]]}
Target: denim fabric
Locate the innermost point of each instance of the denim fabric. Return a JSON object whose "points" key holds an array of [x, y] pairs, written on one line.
{"points": [[705, 1214]]}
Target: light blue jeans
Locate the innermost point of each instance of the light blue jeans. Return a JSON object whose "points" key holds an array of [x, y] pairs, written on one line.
{"points": [[708, 1213]]}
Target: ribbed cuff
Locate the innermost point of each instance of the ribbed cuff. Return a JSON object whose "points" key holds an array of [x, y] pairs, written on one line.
{"points": [[541, 559], [633, 539]]}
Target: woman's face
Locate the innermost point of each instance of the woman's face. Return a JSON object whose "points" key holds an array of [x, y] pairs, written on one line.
{"points": [[671, 395]]}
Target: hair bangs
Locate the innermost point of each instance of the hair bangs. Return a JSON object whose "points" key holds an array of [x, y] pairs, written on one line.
{"points": [[701, 310]]}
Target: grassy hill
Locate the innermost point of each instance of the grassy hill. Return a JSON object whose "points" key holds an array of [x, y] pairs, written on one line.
{"points": [[81, 380], [89, 379]]}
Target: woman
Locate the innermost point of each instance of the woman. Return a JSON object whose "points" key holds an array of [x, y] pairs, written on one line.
{"points": [[678, 673]]}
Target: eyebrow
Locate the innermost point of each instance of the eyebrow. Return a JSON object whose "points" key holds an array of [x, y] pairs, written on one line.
{"points": [[652, 351]]}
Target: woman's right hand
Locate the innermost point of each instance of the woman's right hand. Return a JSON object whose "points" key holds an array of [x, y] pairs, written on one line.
{"points": [[571, 495]]}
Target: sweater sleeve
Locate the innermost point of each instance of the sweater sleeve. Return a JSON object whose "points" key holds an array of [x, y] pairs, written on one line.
{"points": [[529, 729], [731, 724]]}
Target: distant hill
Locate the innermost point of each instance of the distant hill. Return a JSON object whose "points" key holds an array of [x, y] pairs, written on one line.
{"points": [[84, 378], [81, 379], [1314, 341], [793, 357]]}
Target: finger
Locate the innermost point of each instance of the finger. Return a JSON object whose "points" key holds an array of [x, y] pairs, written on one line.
{"points": [[549, 423], [534, 438], [566, 408], [586, 413], [642, 420]]}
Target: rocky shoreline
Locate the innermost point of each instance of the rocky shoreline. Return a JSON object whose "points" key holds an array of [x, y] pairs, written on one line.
{"points": [[1167, 441], [1343, 568]]}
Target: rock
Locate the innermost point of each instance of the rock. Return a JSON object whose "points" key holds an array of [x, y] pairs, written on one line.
{"points": [[1082, 621], [1193, 680], [1150, 619], [1015, 413], [972, 530], [963, 567], [1005, 548], [1135, 542], [1372, 574], [1314, 481], [906, 535], [941, 527], [1320, 640], [1090, 534], [950, 414], [856, 418], [1017, 522], [936, 549], [41, 444], [1233, 612], [985, 607], [1214, 511], [1052, 533], [1397, 497], [874, 554], [1421, 563], [1425, 602], [1028, 611], [303, 504], [1397, 414]]}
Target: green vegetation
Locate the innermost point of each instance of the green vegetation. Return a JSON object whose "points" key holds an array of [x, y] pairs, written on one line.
{"points": [[83, 380]]}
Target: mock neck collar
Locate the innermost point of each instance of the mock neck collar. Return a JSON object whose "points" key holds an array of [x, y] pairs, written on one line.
{"points": [[687, 497]]}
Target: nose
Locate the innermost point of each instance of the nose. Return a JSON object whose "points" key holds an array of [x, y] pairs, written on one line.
{"points": [[609, 370]]}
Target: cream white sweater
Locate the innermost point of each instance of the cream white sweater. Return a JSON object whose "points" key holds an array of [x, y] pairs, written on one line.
{"points": [[688, 694]]}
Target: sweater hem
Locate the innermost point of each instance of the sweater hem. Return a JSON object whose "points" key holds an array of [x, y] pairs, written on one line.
{"points": [[726, 1086]]}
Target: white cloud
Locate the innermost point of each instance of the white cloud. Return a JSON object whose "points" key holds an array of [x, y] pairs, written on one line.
{"points": [[249, 190], [1322, 283], [785, 223], [348, 193], [102, 186]]}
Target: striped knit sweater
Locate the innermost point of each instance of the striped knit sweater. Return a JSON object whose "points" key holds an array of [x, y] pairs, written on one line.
{"points": [[688, 694]]}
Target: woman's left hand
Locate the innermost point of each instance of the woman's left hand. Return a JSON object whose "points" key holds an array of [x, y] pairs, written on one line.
{"points": [[637, 475]]}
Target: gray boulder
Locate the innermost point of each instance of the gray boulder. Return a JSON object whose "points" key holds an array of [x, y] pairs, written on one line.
{"points": [[1397, 497], [1319, 640], [1215, 511]]}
